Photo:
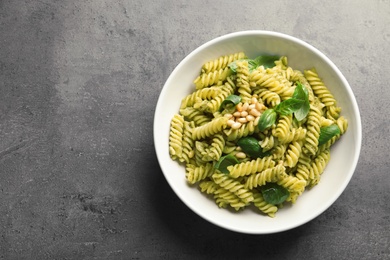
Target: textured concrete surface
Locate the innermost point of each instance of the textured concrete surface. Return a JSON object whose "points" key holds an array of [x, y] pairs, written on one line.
{"points": [[79, 81]]}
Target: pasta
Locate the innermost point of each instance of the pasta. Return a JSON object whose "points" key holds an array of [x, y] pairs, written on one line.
{"points": [[233, 186], [251, 167], [222, 120], [243, 80], [222, 62]]}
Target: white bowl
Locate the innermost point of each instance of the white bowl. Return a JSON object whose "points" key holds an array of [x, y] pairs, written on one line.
{"points": [[344, 154]]}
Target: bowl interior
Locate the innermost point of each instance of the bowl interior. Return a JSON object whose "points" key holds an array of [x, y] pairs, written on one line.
{"points": [[344, 154]]}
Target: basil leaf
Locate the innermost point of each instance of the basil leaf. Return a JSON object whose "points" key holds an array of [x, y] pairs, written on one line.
{"points": [[251, 146], [301, 93], [232, 99], [224, 162], [327, 132], [302, 112], [252, 64], [289, 106], [268, 61], [274, 193], [267, 119]]}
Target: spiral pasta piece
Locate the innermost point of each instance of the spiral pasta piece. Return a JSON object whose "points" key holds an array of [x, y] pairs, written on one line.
{"points": [[261, 78], [243, 81], [176, 137], [233, 186], [229, 147], [268, 175], [212, 78], [319, 88], [292, 154], [187, 142], [303, 168], [195, 115], [222, 62], [213, 127], [288, 73], [225, 90], [208, 186], [198, 173], [199, 95], [294, 185], [282, 129], [296, 134], [245, 130], [318, 166], [225, 197], [268, 142], [278, 153], [313, 130], [264, 206], [216, 147], [250, 167], [281, 63], [333, 112], [201, 152], [268, 97]]}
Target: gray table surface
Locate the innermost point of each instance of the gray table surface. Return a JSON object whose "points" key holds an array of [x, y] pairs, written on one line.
{"points": [[79, 81]]}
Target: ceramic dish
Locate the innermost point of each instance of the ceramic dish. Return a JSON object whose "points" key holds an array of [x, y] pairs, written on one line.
{"points": [[301, 56]]}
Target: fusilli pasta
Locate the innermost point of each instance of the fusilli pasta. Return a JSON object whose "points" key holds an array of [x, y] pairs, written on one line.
{"points": [[207, 130]]}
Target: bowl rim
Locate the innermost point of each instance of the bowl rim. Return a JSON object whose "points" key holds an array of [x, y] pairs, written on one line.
{"points": [[280, 35]]}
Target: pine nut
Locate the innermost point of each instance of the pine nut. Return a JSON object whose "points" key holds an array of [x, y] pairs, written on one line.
{"points": [[237, 114], [254, 100], [252, 106], [245, 106], [260, 107], [257, 119], [241, 155], [239, 107], [254, 113], [228, 116], [236, 125], [238, 148], [250, 118], [242, 120], [230, 122], [244, 113]]}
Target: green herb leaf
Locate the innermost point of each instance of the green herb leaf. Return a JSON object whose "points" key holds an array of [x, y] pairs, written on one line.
{"points": [[252, 65], [289, 106], [267, 119], [224, 162], [251, 146], [268, 61], [302, 112], [297, 104], [301, 93], [327, 132], [274, 193], [232, 99]]}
